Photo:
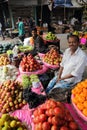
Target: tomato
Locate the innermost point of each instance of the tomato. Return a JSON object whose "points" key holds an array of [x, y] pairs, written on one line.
{"points": [[50, 119], [35, 113], [42, 117], [27, 70], [46, 126], [58, 111], [48, 106], [24, 60], [67, 112], [64, 128], [47, 113], [40, 111], [38, 126], [43, 106], [55, 120], [53, 103], [54, 127], [36, 119], [73, 125], [61, 105], [51, 112], [47, 101], [68, 117]]}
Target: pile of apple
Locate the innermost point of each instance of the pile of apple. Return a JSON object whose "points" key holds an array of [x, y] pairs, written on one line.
{"points": [[11, 96], [29, 64], [53, 115], [52, 57], [4, 60]]}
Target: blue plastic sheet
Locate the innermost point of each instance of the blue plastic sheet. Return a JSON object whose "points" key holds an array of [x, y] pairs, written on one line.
{"points": [[66, 3]]}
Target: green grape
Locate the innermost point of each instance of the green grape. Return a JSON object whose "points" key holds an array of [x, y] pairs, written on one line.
{"points": [[34, 78], [5, 69], [9, 52], [26, 81]]}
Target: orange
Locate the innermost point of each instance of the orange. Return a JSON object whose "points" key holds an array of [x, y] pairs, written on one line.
{"points": [[85, 104], [84, 111], [81, 99], [80, 106], [74, 101]]}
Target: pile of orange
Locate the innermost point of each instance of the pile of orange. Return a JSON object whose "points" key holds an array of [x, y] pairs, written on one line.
{"points": [[80, 96]]}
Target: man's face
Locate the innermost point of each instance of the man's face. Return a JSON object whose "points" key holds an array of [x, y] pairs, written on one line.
{"points": [[34, 33], [73, 43]]}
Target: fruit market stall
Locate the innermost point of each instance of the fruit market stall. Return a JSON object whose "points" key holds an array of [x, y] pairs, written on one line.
{"points": [[51, 39], [32, 113], [24, 104]]}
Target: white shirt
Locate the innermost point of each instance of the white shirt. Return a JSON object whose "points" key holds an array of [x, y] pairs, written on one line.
{"points": [[74, 65], [73, 20]]}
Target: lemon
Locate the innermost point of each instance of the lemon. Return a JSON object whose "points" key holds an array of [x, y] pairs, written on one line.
{"points": [[13, 123]]}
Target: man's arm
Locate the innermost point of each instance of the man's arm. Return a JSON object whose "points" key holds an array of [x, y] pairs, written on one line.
{"points": [[60, 73], [65, 77]]}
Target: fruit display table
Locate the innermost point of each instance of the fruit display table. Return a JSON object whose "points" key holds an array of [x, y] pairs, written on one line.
{"points": [[51, 39], [53, 42]]}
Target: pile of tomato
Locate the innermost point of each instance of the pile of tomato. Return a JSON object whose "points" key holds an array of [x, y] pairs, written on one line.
{"points": [[53, 115]]}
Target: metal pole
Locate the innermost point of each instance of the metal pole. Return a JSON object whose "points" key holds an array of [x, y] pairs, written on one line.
{"points": [[65, 11], [41, 12]]}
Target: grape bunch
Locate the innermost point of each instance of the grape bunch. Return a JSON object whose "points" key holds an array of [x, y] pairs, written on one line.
{"points": [[26, 81]]}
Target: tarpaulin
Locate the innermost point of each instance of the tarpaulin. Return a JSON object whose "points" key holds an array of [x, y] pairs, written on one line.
{"points": [[66, 3]]}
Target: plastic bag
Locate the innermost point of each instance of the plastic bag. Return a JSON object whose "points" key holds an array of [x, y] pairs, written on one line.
{"points": [[15, 51], [26, 41], [24, 115]]}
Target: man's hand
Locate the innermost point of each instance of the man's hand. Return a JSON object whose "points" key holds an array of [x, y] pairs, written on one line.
{"points": [[58, 79]]}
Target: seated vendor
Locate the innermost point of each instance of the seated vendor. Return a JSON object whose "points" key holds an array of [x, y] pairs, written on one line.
{"points": [[31, 40], [72, 66], [39, 45]]}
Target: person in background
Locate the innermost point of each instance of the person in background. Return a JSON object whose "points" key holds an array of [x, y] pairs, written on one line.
{"points": [[72, 66], [34, 33], [21, 29], [1, 31], [73, 21], [31, 40], [84, 26], [39, 43]]}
